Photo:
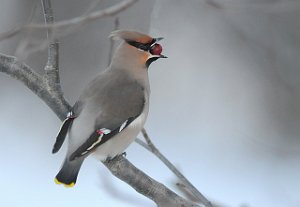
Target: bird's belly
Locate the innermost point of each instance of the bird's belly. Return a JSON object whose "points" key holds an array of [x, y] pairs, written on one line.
{"points": [[117, 144]]}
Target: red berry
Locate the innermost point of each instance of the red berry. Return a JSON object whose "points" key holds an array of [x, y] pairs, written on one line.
{"points": [[156, 49]]}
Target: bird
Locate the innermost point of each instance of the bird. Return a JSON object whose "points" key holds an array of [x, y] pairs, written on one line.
{"points": [[112, 108]]}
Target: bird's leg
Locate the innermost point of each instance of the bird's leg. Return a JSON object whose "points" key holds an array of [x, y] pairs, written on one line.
{"points": [[71, 115], [108, 159], [124, 154]]}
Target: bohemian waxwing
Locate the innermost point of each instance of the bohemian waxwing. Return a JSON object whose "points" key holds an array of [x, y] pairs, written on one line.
{"points": [[112, 109]]}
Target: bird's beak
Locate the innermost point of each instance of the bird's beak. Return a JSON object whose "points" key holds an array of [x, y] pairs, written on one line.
{"points": [[158, 39], [159, 56], [163, 56]]}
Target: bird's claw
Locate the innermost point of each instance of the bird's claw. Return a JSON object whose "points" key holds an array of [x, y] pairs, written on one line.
{"points": [[124, 154], [108, 159]]}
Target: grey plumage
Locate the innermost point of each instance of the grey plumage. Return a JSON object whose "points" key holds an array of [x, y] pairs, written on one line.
{"points": [[118, 96], [111, 110]]}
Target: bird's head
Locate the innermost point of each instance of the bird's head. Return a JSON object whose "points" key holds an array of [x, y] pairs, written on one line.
{"points": [[137, 47]]}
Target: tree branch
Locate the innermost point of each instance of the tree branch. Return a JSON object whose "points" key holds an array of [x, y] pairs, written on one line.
{"points": [[51, 77], [152, 148], [22, 72], [52, 66], [145, 185]]}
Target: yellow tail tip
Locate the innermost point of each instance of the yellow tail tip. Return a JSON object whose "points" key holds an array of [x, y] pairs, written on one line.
{"points": [[66, 185]]}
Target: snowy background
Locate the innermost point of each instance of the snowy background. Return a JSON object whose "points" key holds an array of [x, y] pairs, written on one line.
{"points": [[225, 105]]}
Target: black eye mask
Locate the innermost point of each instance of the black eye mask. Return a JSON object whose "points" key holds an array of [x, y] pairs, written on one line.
{"points": [[142, 46]]}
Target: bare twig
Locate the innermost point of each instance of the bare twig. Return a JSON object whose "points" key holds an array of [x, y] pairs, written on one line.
{"points": [[28, 46], [181, 177], [111, 11], [111, 46], [187, 192], [11, 33], [81, 20], [181, 186], [263, 6], [143, 144], [52, 66], [51, 77], [16, 30]]}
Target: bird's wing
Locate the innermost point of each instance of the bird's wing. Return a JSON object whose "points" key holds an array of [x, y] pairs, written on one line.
{"points": [[97, 138], [118, 105], [60, 138]]}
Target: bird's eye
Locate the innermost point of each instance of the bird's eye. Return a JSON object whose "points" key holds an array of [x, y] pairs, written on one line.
{"points": [[156, 49]]}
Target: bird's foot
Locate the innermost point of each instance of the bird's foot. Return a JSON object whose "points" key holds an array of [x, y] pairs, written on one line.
{"points": [[124, 154], [108, 159]]}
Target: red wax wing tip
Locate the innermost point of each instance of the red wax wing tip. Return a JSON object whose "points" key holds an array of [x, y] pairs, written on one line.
{"points": [[156, 49]]}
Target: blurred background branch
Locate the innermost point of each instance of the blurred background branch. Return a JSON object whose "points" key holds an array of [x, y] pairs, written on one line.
{"points": [[60, 26]]}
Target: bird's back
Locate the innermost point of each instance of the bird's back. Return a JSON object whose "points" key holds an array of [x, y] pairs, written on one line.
{"points": [[107, 101]]}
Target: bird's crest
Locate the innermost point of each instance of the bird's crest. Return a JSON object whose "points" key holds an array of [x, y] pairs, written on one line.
{"points": [[129, 35]]}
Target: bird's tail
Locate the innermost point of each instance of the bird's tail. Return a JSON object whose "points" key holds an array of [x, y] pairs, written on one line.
{"points": [[69, 172]]}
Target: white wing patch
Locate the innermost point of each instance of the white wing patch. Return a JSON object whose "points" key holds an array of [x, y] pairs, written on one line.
{"points": [[104, 131], [101, 133], [70, 114], [123, 125]]}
